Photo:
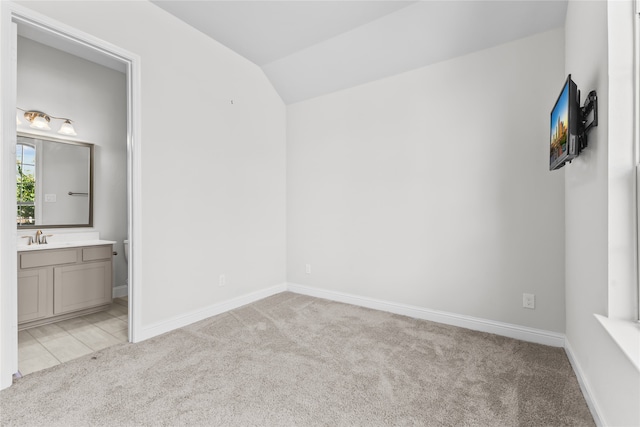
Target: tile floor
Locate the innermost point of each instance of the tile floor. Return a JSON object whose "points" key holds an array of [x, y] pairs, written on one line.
{"points": [[49, 345]]}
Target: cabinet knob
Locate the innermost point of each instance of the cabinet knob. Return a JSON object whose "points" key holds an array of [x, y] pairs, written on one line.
{"points": [[115, 253]]}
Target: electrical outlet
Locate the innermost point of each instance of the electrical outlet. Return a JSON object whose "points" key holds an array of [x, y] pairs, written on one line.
{"points": [[307, 268], [529, 301], [222, 280]]}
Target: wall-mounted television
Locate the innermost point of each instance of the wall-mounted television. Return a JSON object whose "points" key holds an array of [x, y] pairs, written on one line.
{"points": [[570, 124], [564, 144]]}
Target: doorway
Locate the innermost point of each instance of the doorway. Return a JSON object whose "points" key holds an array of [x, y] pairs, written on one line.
{"points": [[64, 38]]}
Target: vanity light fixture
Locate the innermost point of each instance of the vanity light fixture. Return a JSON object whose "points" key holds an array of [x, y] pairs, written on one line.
{"points": [[40, 120]]}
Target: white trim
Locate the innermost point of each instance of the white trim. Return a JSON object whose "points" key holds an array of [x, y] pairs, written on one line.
{"points": [[491, 326], [584, 385], [8, 230], [626, 335], [44, 23], [134, 194], [8, 278], [637, 224], [182, 320], [636, 143], [120, 291]]}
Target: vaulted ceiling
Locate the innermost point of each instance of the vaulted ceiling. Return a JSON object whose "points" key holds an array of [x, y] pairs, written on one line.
{"points": [[311, 48]]}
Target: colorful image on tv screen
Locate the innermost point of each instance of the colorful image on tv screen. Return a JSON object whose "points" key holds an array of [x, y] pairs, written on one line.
{"points": [[559, 125]]}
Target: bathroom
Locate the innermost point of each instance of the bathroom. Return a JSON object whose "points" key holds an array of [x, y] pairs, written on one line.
{"points": [[94, 97]]}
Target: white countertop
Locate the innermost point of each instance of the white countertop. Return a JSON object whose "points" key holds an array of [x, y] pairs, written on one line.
{"points": [[62, 245]]}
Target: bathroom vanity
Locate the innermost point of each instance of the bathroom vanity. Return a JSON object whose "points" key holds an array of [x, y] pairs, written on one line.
{"points": [[60, 275], [60, 281]]}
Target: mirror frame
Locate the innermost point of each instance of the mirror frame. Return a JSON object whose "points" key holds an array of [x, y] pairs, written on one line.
{"points": [[91, 165]]}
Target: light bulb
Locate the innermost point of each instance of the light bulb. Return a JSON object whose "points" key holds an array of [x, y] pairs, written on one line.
{"points": [[67, 128], [39, 122]]}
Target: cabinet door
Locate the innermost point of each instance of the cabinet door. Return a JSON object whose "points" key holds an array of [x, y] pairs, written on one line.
{"points": [[32, 294], [76, 287]]}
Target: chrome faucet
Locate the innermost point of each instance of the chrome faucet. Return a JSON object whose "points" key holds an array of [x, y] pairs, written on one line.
{"points": [[37, 240]]}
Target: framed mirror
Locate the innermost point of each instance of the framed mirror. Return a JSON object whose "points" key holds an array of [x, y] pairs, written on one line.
{"points": [[54, 182]]}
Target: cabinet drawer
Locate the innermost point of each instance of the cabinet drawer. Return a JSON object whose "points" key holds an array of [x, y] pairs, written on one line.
{"points": [[96, 253], [47, 257]]}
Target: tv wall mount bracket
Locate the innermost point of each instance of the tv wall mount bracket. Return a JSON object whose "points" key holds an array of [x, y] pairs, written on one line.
{"points": [[588, 120]]}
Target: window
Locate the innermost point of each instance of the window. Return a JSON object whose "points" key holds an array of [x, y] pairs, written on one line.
{"points": [[26, 183]]}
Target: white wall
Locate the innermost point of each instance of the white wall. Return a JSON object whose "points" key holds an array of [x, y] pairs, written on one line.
{"points": [[213, 173], [94, 97], [599, 205], [432, 188]]}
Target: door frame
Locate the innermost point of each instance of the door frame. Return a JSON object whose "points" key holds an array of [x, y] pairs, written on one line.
{"points": [[10, 14]]}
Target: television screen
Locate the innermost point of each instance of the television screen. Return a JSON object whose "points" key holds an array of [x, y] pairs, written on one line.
{"points": [[560, 126], [564, 125]]}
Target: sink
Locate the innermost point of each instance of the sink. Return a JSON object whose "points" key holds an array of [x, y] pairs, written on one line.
{"points": [[68, 244], [52, 245], [63, 240]]}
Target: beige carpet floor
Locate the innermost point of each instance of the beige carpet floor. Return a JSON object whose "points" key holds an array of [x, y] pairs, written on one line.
{"points": [[293, 360]]}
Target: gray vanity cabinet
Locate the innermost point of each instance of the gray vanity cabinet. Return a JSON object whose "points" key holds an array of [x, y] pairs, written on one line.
{"points": [[56, 284]]}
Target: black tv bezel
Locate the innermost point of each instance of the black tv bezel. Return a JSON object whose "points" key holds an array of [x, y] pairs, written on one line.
{"points": [[573, 117]]}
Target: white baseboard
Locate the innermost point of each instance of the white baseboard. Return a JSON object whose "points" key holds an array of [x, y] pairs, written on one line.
{"points": [[584, 385], [159, 328], [120, 291], [477, 324]]}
